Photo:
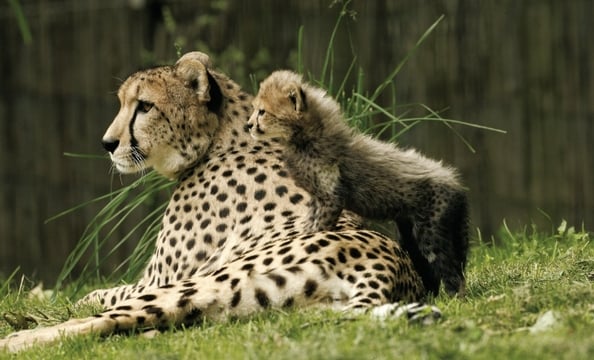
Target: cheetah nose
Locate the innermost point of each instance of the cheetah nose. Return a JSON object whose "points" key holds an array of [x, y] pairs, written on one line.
{"points": [[110, 144]]}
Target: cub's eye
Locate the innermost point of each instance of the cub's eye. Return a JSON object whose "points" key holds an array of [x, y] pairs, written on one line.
{"points": [[144, 106], [261, 112]]}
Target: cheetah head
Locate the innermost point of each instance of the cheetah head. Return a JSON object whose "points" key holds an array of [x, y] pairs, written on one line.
{"points": [[279, 107], [167, 119]]}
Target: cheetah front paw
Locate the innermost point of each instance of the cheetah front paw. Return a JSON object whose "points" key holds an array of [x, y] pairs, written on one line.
{"points": [[18, 340], [24, 339], [415, 312]]}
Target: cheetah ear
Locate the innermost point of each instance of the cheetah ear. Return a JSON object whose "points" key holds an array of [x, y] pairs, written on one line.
{"points": [[192, 68], [297, 97]]}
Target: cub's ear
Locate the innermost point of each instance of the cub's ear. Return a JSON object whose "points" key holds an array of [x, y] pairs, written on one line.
{"points": [[192, 68], [297, 97]]}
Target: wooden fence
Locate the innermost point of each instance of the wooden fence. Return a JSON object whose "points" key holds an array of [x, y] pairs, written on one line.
{"points": [[523, 66]]}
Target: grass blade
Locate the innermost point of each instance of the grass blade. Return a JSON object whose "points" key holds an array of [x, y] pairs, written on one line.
{"points": [[22, 21]]}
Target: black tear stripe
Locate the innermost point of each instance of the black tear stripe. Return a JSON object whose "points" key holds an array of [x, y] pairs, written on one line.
{"points": [[136, 152]]}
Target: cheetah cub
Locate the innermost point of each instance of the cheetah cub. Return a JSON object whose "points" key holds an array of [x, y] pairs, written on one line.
{"points": [[344, 169]]}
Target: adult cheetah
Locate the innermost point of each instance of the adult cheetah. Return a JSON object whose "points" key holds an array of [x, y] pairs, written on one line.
{"points": [[342, 168], [234, 237]]}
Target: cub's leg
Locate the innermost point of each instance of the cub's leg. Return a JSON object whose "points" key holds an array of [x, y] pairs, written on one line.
{"points": [[435, 233], [324, 214]]}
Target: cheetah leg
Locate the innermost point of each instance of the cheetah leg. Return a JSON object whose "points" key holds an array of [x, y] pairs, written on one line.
{"points": [[112, 296], [436, 237], [443, 238], [234, 292], [324, 215], [414, 312]]}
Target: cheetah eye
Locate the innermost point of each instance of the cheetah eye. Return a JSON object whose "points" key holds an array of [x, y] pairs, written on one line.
{"points": [[144, 106], [261, 112]]}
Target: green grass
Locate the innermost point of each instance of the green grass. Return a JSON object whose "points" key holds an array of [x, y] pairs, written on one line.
{"points": [[510, 286]]}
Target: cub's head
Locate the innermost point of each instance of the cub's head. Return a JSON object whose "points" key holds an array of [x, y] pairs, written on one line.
{"points": [[279, 107], [168, 117]]}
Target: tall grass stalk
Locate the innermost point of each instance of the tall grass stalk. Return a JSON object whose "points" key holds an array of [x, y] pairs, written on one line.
{"points": [[9, 280], [21, 21], [121, 204]]}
